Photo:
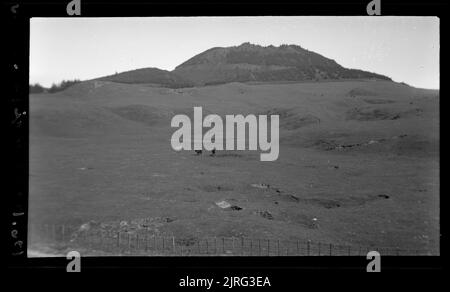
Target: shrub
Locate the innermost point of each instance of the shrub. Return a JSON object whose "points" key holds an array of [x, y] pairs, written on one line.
{"points": [[63, 85]]}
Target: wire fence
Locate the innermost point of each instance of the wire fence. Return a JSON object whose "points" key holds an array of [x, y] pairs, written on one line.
{"points": [[143, 242]]}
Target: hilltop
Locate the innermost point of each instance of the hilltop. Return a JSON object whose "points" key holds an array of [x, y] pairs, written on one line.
{"points": [[249, 62]]}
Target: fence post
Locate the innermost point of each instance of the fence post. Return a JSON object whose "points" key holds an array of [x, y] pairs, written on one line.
{"points": [[137, 242], [146, 241], [129, 242], [101, 239], [163, 244], [108, 236], [173, 244], [242, 245]]}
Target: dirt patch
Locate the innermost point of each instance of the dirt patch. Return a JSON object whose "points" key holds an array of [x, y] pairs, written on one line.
{"points": [[265, 214], [325, 145], [379, 114], [325, 203], [344, 202], [235, 208], [332, 203], [291, 120], [328, 145], [360, 92], [293, 198], [370, 114]]}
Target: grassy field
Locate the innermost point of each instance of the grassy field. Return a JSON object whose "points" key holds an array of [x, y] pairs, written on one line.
{"points": [[358, 163]]}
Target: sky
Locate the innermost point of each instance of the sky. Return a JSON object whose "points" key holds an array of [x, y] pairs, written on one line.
{"points": [[403, 48]]}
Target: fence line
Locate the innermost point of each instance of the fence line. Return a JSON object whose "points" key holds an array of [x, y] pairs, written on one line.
{"points": [[143, 242]]}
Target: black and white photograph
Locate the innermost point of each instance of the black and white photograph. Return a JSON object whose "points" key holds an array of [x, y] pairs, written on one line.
{"points": [[234, 136]]}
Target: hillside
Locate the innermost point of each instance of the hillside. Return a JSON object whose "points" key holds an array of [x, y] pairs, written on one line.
{"points": [[151, 76], [358, 164]]}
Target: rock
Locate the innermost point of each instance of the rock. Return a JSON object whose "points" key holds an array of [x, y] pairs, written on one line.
{"points": [[85, 227], [168, 219], [223, 204]]}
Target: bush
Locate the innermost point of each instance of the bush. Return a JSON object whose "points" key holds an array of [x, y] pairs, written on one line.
{"points": [[63, 85]]}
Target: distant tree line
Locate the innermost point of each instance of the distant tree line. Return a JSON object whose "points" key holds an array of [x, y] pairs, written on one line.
{"points": [[37, 88]]}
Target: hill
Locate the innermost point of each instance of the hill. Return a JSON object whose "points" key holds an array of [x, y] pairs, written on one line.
{"points": [[249, 62], [151, 76], [245, 63]]}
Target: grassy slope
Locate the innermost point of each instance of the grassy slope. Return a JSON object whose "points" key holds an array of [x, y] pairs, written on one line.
{"points": [[121, 134]]}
